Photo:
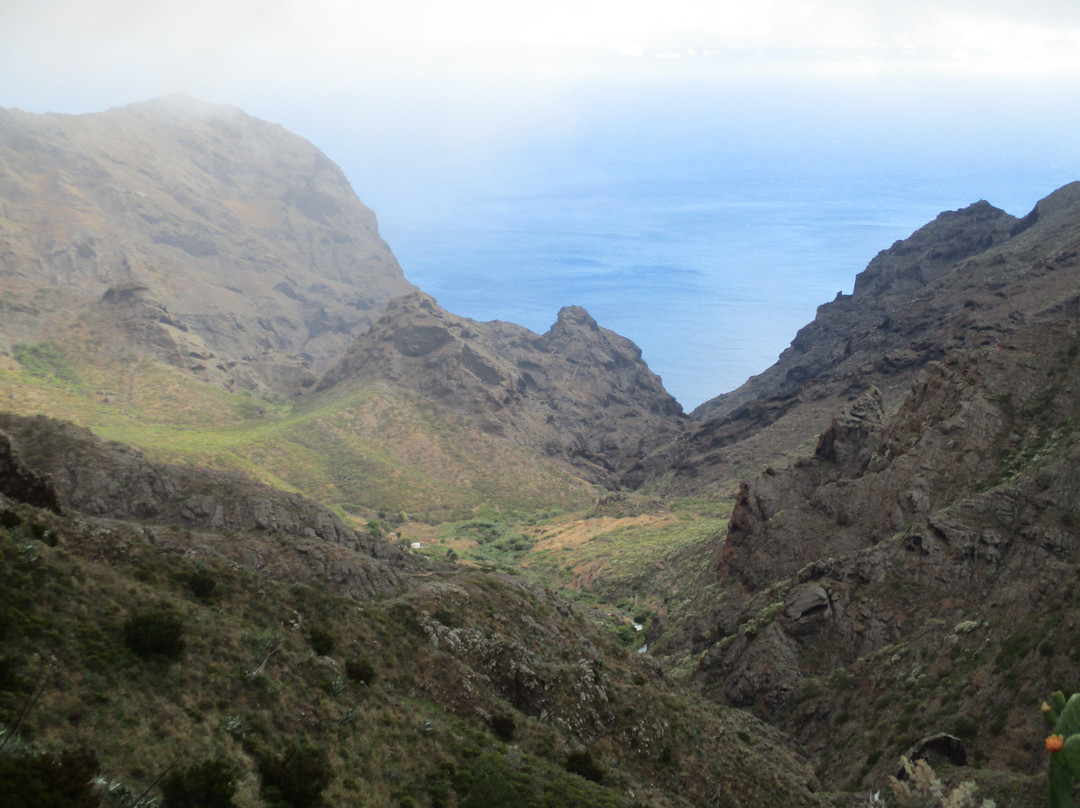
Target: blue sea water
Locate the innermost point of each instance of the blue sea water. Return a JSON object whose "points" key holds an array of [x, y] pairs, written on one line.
{"points": [[705, 231]]}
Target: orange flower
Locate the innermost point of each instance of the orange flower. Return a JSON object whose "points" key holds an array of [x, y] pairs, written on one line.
{"points": [[1054, 743]]}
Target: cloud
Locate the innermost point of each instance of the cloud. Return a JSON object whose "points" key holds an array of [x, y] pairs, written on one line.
{"points": [[137, 48]]}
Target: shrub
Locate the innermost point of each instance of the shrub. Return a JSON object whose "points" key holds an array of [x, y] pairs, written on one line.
{"points": [[10, 519], [210, 784], [504, 726], [488, 783], [582, 763], [360, 670], [49, 781], [158, 632], [446, 617], [322, 642], [201, 584], [296, 778]]}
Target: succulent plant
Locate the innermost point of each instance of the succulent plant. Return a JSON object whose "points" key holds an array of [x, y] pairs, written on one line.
{"points": [[1063, 718]]}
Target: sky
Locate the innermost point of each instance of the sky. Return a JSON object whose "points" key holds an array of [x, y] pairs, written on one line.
{"points": [[429, 106]]}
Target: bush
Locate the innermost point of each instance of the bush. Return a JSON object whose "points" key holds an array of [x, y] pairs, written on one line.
{"points": [[201, 584], [49, 781], [582, 763], [504, 726], [295, 779], [210, 784], [322, 642], [360, 670], [155, 633], [488, 783]]}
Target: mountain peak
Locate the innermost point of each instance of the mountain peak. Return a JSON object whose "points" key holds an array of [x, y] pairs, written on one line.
{"points": [[575, 316], [579, 392], [911, 263]]}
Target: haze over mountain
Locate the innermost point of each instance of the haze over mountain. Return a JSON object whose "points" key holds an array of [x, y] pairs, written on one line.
{"points": [[191, 232]]}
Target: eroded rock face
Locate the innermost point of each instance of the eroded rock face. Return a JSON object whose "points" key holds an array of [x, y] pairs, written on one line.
{"points": [[189, 232], [116, 481], [889, 282], [944, 526], [579, 392]]}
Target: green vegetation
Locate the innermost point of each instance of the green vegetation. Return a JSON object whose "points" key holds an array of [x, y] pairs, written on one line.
{"points": [[494, 710], [49, 780], [156, 633], [210, 784], [45, 360], [355, 450], [1063, 773], [616, 558], [491, 537]]}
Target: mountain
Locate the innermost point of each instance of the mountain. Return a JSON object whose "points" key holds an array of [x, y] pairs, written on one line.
{"points": [[191, 233], [870, 550], [580, 392], [911, 572], [966, 280]]}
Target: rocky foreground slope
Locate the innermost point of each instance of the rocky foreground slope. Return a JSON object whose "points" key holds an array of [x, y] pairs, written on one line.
{"points": [[241, 658]]}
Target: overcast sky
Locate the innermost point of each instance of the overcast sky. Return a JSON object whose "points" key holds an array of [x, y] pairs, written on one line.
{"points": [[70, 55]]}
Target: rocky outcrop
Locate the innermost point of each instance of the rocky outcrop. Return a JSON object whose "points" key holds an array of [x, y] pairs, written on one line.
{"points": [[580, 392], [20, 483], [889, 282], [189, 232], [909, 544], [116, 481]]}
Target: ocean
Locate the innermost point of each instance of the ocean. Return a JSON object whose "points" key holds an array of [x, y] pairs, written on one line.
{"points": [[707, 238]]}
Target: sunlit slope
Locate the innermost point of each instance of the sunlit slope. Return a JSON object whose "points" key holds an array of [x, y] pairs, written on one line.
{"points": [[358, 449]]}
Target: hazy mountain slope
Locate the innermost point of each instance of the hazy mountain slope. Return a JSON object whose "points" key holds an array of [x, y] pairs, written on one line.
{"points": [[191, 232], [967, 279], [579, 393], [193, 235]]}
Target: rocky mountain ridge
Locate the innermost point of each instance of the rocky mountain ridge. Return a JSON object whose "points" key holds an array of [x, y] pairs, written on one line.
{"points": [[906, 546], [579, 392], [966, 280], [300, 539]]}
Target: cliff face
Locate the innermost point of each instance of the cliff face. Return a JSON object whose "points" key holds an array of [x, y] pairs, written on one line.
{"points": [[191, 232], [930, 556], [579, 392], [966, 280]]}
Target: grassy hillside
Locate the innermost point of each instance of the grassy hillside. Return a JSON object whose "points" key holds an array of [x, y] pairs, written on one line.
{"points": [[357, 450], [466, 688]]}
